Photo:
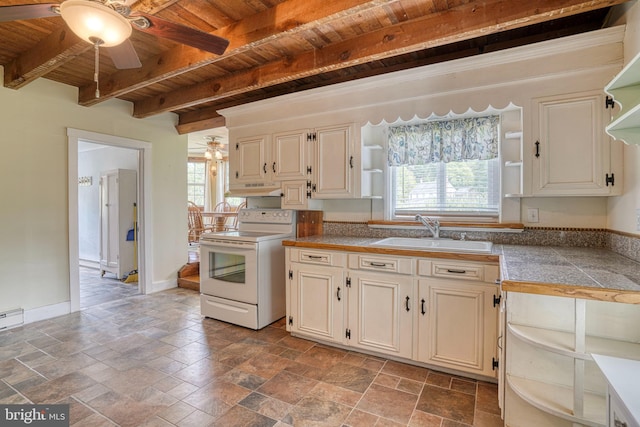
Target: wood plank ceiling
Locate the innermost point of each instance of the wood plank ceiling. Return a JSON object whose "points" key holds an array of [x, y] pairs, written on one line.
{"points": [[280, 46]]}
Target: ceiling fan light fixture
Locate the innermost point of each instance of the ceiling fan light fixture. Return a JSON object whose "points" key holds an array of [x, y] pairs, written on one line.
{"points": [[92, 20], [207, 155]]}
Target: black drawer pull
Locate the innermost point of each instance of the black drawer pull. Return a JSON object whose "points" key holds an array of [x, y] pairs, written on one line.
{"points": [[338, 294], [422, 309], [406, 304], [451, 270], [377, 264]]}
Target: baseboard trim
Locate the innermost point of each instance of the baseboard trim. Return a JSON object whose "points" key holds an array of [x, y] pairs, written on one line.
{"points": [[47, 312], [162, 286]]}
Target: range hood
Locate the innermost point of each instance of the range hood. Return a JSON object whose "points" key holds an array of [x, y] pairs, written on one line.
{"points": [[255, 190]]}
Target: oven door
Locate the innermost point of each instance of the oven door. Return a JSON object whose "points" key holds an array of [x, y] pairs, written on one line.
{"points": [[228, 269]]}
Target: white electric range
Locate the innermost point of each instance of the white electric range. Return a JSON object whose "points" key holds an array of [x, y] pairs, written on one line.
{"points": [[242, 273]]}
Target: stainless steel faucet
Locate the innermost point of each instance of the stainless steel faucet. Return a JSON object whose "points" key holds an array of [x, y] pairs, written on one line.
{"points": [[432, 224]]}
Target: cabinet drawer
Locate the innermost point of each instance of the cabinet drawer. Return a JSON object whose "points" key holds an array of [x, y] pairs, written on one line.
{"points": [[457, 271], [318, 257], [381, 263]]}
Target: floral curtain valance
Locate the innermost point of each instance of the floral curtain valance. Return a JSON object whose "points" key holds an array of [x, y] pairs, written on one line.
{"points": [[473, 138]]}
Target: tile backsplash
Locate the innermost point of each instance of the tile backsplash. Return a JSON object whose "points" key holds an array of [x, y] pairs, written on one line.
{"points": [[623, 244]]}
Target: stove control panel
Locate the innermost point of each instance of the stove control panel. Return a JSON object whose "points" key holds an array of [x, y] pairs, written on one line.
{"points": [[270, 216]]}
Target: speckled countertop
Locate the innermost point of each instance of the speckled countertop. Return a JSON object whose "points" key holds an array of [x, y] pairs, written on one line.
{"points": [[589, 273]]}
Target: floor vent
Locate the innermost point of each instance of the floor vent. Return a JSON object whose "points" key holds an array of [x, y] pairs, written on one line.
{"points": [[11, 318]]}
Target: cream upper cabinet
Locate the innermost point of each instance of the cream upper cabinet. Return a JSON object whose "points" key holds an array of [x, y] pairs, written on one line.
{"points": [[381, 312], [289, 155], [249, 160], [333, 167], [572, 154]]}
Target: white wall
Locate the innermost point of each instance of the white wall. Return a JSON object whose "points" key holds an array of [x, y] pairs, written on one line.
{"points": [[93, 159], [34, 264]]}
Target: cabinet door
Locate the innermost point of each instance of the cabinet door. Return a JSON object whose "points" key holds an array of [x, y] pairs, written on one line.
{"points": [[573, 156], [457, 326], [317, 302], [249, 164], [109, 225], [334, 162], [380, 313], [288, 156]]}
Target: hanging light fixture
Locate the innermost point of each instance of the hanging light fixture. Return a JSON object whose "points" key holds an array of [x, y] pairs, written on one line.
{"points": [[207, 155], [218, 155], [98, 24], [95, 22]]}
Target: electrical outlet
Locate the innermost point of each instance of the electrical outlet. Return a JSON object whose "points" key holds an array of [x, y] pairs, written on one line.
{"points": [[532, 215]]}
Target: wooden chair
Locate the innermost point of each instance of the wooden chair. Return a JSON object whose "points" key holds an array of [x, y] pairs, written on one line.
{"points": [[196, 224], [234, 224]]}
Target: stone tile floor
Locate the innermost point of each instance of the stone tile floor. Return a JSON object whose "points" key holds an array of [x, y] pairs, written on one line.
{"points": [[95, 289], [153, 361]]}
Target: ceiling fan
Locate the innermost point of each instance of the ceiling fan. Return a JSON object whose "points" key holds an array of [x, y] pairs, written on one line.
{"points": [[213, 148], [109, 23]]}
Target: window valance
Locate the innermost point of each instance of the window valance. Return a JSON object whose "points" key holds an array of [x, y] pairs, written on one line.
{"points": [[472, 138]]}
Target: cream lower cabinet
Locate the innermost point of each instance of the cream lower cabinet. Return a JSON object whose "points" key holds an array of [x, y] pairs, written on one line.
{"points": [[457, 326], [381, 313], [319, 305], [316, 294], [380, 304]]}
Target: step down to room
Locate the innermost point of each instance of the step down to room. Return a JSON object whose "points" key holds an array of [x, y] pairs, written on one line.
{"points": [[189, 276]]}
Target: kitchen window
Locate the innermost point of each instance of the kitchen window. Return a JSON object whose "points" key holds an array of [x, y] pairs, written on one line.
{"points": [[196, 180], [446, 168]]}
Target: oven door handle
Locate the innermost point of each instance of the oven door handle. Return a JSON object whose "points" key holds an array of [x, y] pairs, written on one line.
{"points": [[212, 244]]}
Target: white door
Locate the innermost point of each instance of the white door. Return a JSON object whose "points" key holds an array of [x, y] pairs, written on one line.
{"points": [[381, 312], [317, 302]]}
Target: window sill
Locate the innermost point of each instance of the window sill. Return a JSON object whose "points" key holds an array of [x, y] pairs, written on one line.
{"points": [[452, 226]]}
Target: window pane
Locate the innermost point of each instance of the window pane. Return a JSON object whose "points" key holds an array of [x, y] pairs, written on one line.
{"points": [[196, 178], [468, 187]]}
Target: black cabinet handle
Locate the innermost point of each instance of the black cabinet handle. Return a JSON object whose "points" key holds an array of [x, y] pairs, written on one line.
{"points": [[264, 168], [351, 162], [406, 304], [338, 293], [537, 148], [450, 270], [274, 167], [422, 308]]}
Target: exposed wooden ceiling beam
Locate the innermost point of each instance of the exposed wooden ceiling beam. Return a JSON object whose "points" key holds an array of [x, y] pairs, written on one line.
{"points": [[281, 21], [461, 23], [60, 47], [55, 50]]}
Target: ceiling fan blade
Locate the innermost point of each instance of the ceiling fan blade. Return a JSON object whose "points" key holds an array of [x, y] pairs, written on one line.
{"points": [[27, 11], [183, 34], [124, 56]]}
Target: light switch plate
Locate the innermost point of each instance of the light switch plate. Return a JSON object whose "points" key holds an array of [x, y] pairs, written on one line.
{"points": [[532, 215]]}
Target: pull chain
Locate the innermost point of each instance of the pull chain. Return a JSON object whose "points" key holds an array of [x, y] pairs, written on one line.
{"points": [[96, 48]]}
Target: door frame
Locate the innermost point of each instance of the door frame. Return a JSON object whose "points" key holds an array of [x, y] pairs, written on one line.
{"points": [[145, 220]]}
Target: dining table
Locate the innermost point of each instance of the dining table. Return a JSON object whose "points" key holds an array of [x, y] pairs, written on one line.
{"points": [[219, 218]]}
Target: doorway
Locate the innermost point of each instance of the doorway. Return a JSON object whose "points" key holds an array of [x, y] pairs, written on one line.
{"points": [[130, 154]]}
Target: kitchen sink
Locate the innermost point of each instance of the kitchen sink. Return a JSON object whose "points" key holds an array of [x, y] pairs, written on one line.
{"points": [[442, 245]]}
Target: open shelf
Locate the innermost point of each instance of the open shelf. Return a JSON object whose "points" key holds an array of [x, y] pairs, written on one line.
{"points": [[563, 343], [557, 400], [625, 89]]}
